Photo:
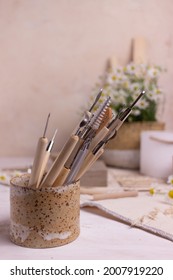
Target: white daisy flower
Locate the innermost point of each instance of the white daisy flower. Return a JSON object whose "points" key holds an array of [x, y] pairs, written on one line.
{"points": [[170, 180], [130, 69], [157, 92], [169, 196], [142, 104], [153, 72], [112, 78], [135, 87], [4, 178], [151, 95], [135, 112], [120, 98]]}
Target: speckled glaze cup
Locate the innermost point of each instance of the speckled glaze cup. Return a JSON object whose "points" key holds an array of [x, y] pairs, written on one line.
{"points": [[46, 217]]}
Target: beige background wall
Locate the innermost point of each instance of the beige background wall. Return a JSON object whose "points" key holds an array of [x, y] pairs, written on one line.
{"points": [[52, 52]]}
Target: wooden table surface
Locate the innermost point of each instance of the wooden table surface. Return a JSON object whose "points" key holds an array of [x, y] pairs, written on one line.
{"points": [[102, 237]]}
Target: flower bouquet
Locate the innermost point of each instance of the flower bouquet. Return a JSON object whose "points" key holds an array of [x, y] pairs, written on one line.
{"points": [[123, 84]]}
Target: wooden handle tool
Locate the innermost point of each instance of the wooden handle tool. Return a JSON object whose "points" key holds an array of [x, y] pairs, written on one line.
{"points": [[39, 156], [92, 190], [62, 177], [60, 161], [102, 196], [38, 160], [45, 159], [77, 147], [99, 137], [78, 161], [88, 162]]}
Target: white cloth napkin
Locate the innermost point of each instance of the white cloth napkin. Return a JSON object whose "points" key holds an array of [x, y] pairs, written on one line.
{"points": [[151, 213]]}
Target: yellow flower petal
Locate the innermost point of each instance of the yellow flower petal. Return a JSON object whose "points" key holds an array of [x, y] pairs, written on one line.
{"points": [[2, 178], [152, 191], [170, 194]]}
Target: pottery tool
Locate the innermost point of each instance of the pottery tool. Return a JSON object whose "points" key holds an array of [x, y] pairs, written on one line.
{"points": [[81, 149], [88, 136], [59, 162], [88, 162], [102, 130], [106, 119], [123, 114], [93, 190], [114, 195], [46, 158], [78, 161], [62, 176], [79, 131], [39, 156], [92, 127], [110, 132], [88, 115], [116, 124], [97, 193], [85, 120], [96, 100]]}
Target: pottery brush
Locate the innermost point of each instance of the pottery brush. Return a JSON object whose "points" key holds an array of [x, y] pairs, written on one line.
{"points": [[103, 129], [101, 132], [92, 127], [39, 156]]}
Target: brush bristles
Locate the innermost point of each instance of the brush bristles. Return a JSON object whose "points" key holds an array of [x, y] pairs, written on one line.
{"points": [[101, 113]]}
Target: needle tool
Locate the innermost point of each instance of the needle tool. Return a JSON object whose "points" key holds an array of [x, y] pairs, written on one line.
{"points": [[88, 114], [46, 158], [116, 124], [39, 156], [96, 100]]}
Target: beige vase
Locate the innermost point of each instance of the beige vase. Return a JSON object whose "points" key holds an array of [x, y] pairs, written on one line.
{"points": [[124, 150]]}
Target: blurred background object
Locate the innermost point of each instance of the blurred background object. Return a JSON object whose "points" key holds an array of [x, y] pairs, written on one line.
{"points": [[156, 154], [52, 53], [123, 84]]}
